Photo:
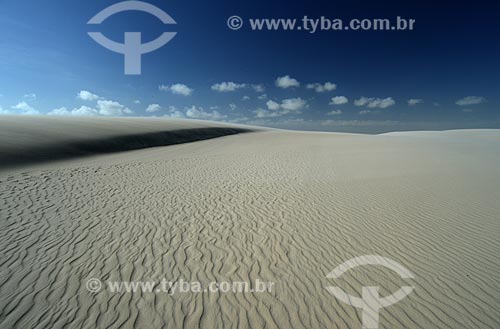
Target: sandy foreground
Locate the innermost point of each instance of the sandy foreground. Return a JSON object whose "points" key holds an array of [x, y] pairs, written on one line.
{"points": [[275, 206]]}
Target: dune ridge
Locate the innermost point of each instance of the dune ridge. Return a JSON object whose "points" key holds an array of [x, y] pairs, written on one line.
{"points": [[79, 138], [89, 147]]}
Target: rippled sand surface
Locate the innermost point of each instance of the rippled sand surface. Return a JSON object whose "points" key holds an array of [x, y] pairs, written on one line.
{"points": [[284, 207]]}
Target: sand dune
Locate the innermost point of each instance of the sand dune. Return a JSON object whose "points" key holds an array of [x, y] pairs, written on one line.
{"points": [[279, 206], [31, 140]]}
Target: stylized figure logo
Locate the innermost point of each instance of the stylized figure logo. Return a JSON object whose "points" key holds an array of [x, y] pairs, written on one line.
{"points": [[370, 301], [132, 48]]}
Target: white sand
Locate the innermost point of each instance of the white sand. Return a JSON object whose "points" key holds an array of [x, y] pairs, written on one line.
{"points": [[279, 206]]}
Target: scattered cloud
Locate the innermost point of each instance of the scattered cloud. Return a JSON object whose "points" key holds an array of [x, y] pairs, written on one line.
{"points": [[227, 86], [153, 108], [87, 96], [339, 100], [30, 97], [262, 113], [362, 101], [246, 98], [335, 112], [112, 108], [137, 101], [232, 107], [198, 113], [470, 100], [22, 108], [81, 111], [320, 88], [272, 105], [286, 82], [177, 89], [286, 106], [59, 111], [84, 111], [371, 102], [262, 97], [414, 101], [467, 110], [358, 123], [382, 103], [259, 88], [293, 104], [174, 113]]}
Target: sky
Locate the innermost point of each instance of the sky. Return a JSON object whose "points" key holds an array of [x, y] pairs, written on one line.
{"points": [[443, 74]]}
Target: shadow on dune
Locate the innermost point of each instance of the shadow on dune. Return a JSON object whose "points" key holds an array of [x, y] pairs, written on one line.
{"points": [[105, 145]]}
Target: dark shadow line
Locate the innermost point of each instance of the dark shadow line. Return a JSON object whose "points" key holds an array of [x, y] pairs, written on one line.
{"points": [[115, 144]]}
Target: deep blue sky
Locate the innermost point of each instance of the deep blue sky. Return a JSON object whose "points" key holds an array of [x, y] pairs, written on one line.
{"points": [[47, 58]]}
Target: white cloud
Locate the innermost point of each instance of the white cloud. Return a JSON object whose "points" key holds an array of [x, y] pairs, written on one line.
{"points": [[272, 105], [286, 106], [259, 88], [320, 88], [261, 113], [137, 101], [112, 108], [153, 108], [246, 98], [371, 102], [470, 100], [84, 111], [199, 113], [81, 111], [232, 107], [30, 97], [382, 103], [227, 86], [59, 111], [177, 89], [5, 112], [414, 101], [286, 82], [293, 104], [467, 110], [262, 97], [358, 123], [339, 100], [335, 112], [22, 108], [362, 101], [175, 114], [87, 96], [366, 111]]}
